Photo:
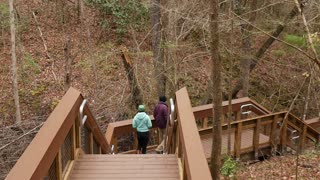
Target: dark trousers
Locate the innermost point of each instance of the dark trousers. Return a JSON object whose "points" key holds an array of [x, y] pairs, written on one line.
{"points": [[143, 139]]}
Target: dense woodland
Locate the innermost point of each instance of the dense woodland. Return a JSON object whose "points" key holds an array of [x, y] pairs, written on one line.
{"points": [[121, 53]]}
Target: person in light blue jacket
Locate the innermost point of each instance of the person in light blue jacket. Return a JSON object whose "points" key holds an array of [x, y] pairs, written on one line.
{"points": [[142, 123]]}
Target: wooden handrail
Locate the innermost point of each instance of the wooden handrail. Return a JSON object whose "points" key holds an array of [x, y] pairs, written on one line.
{"points": [[206, 110], [194, 160], [45, 148]]}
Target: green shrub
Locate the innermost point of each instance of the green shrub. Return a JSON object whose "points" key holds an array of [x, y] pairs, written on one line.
{"points": [[38, 90], [29, 67], [124, 12], [229, 166], [295, 40], [54, 103], [4, 16], [279, 53]]}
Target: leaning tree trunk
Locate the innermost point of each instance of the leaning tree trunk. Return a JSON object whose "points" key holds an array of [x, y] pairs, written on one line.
{"points": [[14, 63], [216, 90], [134, 87], [158, 60], [266, 46]]}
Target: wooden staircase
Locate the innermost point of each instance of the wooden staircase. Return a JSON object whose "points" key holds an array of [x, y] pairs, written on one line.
{"points": [[126, 166]]}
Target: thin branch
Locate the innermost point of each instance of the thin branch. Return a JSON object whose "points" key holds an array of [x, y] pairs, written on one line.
{"points": [[41, 35], [307, 30], [29, 132], [314, 59]]}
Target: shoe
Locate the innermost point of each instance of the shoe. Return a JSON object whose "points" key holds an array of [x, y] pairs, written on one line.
{"points": [[159, 152]]}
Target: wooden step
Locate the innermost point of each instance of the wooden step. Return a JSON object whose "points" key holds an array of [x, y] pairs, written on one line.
{"points": [[126, 166]]}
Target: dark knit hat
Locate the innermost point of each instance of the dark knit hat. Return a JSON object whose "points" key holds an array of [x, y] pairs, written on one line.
{"points": [[162, 99]]}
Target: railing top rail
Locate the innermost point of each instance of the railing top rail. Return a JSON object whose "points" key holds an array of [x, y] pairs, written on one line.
{"points": [[224, 103], [37, 158], [204, 110], [309, 128], [197, 166], [127, 122]]}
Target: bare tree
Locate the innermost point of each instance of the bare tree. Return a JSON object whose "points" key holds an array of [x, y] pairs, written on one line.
{"points": [[14, 63], [216, 90], [68, 70], [79, 7], [246, 29], [158, 59]]}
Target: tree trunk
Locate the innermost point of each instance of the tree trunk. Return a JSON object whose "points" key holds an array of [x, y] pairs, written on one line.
{"points": [[14, 63], [134, 87], [216, 90], [158, 60], [171, 45], [67, 81], [231, 16], [79, 5], [60, 7], [246, 50]]}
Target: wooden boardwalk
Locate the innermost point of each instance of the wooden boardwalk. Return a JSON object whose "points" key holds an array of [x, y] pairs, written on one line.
{"points": [[246, 141], [126, 166]]}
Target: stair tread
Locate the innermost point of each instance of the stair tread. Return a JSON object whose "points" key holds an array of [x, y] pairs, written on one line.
{"points": [[126, 166]]}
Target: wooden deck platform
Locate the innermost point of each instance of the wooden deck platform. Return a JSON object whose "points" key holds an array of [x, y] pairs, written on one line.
{"points": [[246, 141], [126, 166]]}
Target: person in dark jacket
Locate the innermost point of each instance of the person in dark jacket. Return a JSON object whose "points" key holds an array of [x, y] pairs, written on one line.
{"points": [[160, 114], [142, 123]]}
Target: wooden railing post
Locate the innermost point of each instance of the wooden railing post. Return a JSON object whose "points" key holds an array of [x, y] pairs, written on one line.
{"points": [[135, 143], [73, 142], [205, 122], [238, 118], [78, 133], [179, 144], [59, 166], [273, 134], [256, 136], [317, 145], [90, 142], [303, 138], [223, 119], [99, 149], [284, 135], [237, 142]]}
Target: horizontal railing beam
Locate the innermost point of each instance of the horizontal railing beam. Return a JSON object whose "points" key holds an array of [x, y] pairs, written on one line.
{"points": [[206, 110]]}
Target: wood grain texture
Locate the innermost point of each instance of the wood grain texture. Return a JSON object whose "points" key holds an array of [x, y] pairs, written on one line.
{"points": [[126, 166]]}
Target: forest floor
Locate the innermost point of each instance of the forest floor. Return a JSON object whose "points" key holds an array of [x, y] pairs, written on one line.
{"points": [[41, 78], [283, 167]]}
